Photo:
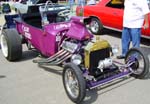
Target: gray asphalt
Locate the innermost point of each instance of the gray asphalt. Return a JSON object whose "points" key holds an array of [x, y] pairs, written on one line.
{"points": [[24, 82]]}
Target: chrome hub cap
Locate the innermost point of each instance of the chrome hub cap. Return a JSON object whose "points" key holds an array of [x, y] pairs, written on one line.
{"points": [[71, 83], [4, 45], [94, 26], [138, 63]]}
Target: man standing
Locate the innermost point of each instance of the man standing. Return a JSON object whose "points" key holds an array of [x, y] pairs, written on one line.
{"points": [[148, 1], [135, 12], [81, 2]]}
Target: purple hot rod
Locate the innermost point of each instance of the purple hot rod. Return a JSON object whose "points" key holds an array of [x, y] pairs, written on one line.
{"points": [[85, 58]]}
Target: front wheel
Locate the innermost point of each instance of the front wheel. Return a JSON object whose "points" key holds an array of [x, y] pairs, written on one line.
{"points": [[139, 62], [74, 82]]}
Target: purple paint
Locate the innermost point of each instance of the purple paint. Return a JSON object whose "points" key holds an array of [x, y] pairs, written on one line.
{"points": [[109, 79], [44, 39]]}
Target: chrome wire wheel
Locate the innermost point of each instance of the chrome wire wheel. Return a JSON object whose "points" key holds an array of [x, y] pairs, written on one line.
{"points": [[4, 45], [138, 62], [72, 83]]}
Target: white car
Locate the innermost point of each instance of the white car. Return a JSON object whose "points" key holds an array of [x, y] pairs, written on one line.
{"points": [[22, 5]]}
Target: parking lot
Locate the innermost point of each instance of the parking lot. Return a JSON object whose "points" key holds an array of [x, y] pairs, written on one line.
{"points": [[24, 82]]}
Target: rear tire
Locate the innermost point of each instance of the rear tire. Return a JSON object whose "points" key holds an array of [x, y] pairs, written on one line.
{"points": [[74, 83], [11, 44], [96, 26], [140, 67]]}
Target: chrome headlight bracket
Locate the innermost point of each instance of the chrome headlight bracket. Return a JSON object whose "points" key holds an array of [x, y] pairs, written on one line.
{"points": [[76, 59]]}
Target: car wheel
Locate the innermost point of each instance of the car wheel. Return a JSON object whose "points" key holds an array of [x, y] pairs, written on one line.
{"points": [[96, 26], [139, 63], [11, 44], [74, 82]]}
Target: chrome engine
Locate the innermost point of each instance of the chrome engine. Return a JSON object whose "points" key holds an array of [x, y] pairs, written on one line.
{"points": [[69, 46]]}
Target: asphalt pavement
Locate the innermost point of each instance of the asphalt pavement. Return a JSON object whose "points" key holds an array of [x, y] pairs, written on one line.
{"points": [[24, 82]]}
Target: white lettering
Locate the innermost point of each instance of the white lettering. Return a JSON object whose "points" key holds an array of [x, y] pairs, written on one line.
{"points": [[62, 26], [26, 32], [28, 35]]}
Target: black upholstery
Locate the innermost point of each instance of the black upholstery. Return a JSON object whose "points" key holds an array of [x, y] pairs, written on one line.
{"points": [[33, 19], [33, 9], [33, 16]]}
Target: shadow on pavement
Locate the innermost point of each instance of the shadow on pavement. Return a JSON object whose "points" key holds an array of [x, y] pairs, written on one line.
{"points": [[145, 42], [112, 33], [117, 84], [51, 70], [2, 76], [92, 95], [27, 55]]}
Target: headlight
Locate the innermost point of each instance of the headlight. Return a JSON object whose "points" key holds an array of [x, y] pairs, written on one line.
{"points": [[82, 20], [76, 59], [115, 49]]}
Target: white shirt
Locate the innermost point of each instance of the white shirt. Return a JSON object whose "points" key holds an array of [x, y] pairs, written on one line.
{"points": [[91, 2], [134, 13]]}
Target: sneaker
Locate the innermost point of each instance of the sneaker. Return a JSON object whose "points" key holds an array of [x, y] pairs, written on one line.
{"points": [[120, 57]]}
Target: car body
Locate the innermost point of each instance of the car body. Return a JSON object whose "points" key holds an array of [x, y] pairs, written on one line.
{"points": [[107, 14]]}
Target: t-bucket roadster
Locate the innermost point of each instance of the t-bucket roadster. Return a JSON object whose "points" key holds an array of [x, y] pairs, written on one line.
{"points": [[86, 59]]}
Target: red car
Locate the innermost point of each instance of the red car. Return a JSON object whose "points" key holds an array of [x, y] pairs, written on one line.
{"points": [[106, 14]]}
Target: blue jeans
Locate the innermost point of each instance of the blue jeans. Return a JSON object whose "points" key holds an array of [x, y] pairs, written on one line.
{"points": [[71, 3], [130, 35], [81, 2]]}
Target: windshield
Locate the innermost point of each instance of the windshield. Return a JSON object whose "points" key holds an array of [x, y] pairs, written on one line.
{"points": [[34, 1], [38, 1]]}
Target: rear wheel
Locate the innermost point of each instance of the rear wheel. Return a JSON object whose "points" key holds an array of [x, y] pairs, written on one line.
{"points": [[139, 62], [96, 26], [11, 44], [74, 82]]}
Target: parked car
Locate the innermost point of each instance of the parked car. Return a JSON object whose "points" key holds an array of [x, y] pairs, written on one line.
{"points": [[106, 14], [23, 6], [6, 8]]}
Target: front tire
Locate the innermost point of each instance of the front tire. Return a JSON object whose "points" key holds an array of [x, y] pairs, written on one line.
{"points": [[74, 82], [140, 66], [11, 44], [96, 26]]}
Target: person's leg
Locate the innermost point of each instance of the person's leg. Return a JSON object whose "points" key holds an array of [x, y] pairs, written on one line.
{"points": [[136, 37], [71, 2], [79, 3], [125, 42], [126, 38]]}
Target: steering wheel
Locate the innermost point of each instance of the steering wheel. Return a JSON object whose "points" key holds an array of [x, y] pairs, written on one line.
{"points": [[64, 13]]}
